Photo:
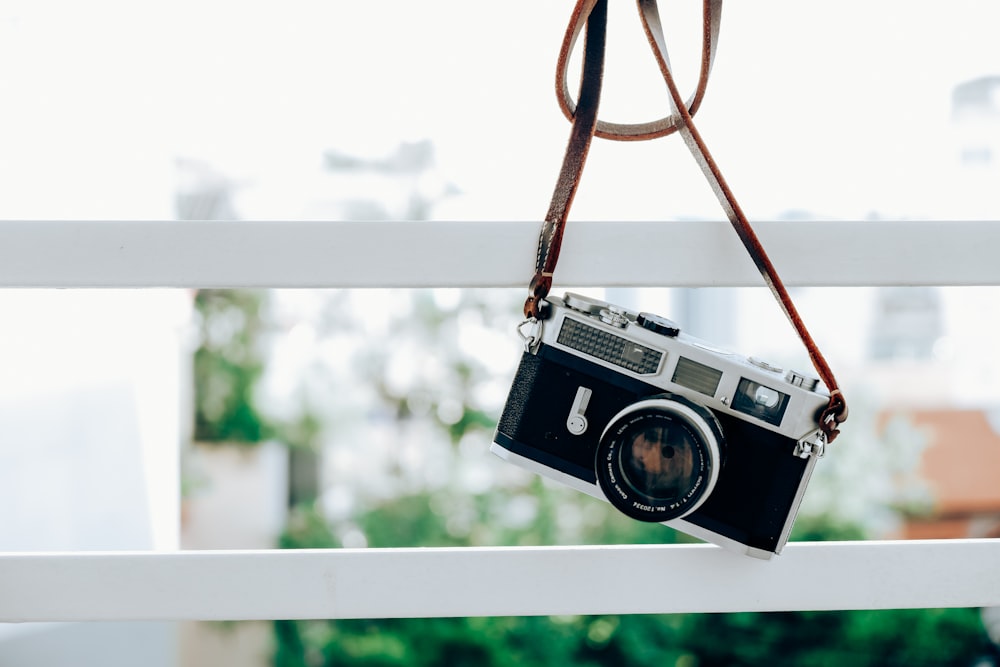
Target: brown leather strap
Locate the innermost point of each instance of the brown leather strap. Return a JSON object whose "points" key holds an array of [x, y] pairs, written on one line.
{"points": [[592, 15], [711, 20], [836, 412]]}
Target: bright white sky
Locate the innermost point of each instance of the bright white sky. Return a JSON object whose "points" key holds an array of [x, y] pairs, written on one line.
{"points": [[836, 108]]}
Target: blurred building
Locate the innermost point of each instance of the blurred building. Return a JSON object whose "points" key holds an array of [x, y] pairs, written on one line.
{"points": [[975, 111], [961, 468]]}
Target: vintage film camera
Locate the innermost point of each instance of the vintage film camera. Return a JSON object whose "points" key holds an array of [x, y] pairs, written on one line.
{"points": [[667, 428]]}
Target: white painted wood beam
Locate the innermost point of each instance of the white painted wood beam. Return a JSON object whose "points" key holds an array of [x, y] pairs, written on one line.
{"points": [[487, 254], [373, 583]]}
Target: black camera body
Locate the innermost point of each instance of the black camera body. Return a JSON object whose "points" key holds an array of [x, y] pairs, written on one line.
{"points": [[667, 428]]}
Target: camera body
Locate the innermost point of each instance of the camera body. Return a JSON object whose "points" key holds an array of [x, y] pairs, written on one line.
{"points": [[626, 407]]}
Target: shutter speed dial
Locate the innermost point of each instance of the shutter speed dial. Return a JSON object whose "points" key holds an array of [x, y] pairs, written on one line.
{"points": [[660, 325]]}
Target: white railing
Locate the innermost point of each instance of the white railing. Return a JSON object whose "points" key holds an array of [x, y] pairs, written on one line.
{"points": [[479, 254], [509, 581], [382, 583]]}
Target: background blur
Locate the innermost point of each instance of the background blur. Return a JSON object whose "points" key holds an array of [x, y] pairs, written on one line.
{"points": [[164, 419]]}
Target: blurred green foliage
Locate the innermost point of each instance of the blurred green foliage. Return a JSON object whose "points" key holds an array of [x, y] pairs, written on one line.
{"points": [[228, 363], [938, 637]]}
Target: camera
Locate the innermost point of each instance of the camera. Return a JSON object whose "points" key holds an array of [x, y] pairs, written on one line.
{"points": [[668, 428]]}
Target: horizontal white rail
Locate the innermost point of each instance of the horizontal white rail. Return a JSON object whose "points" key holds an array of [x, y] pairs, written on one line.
{"points": [[375, 583], [487, 254]]}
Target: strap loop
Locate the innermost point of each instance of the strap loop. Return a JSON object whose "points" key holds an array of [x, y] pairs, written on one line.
{"points": [[711, 20]]}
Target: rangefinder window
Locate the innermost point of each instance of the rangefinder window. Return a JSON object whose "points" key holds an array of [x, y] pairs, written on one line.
{"points": [[699, 377], [608, 347], [760, 401]]}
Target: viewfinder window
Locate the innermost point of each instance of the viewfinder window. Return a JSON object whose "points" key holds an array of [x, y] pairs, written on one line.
{"points": [[760, 401]]}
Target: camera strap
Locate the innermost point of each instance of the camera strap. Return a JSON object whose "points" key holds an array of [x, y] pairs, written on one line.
{"points": [[590, 16]]}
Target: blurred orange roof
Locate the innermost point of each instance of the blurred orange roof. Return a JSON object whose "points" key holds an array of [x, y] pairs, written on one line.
{"points": [[961, 465]]}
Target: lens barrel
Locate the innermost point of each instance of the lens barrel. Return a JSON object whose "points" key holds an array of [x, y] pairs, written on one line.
{"points": [[659, 459]]}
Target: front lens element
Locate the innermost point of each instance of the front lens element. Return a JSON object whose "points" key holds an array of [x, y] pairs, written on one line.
{"points": [[658, 461]]}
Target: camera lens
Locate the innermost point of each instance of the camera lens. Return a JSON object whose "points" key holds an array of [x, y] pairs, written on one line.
{"points": [[659, 459]]}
